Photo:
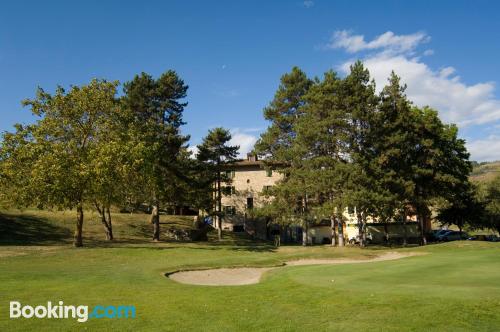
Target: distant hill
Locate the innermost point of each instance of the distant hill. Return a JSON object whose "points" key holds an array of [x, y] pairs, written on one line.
{"points": [[485, 171]]}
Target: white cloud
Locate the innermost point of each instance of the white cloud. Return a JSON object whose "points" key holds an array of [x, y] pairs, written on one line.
{"points": [[388, 42], [487, 149], [244, 140], [308, 3], [442, 89]]}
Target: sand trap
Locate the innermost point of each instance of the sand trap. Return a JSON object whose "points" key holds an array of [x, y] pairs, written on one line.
{"points": [[251, 275], [221, 277], [384, 257]]}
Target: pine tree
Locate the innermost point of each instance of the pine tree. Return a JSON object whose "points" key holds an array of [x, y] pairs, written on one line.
{"points": [[216, 154], [441, 165], [276, 145], [394, 143], [360, 103], [157, 107], [321, 143]]}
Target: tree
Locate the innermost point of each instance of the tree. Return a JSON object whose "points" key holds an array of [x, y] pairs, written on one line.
{"points": [[283, 111], [49, 163], [157, 107], [276, 146], [216, 153], [492, 200], [111, 160], [419, 159], [360, 105], [441, 165], [394, 142], [464, 208], [321, 146]]}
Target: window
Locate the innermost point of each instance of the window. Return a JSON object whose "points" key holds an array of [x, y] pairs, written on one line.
{"points": [[250, 203], [229, 190], [269, 172], [229, 210], [266, 188]]}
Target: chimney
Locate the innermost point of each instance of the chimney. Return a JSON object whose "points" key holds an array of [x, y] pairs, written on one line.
{"points": [[252, 157]]}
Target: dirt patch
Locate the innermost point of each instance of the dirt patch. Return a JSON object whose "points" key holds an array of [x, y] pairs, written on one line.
{"points": [[249, 275]]}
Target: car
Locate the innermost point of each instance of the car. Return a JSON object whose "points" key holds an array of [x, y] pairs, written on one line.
{"points": [[492, 238], [453, 236], [435, 234]]}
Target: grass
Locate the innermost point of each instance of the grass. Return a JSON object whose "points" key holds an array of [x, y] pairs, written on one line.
{"points": [[454, 287]]}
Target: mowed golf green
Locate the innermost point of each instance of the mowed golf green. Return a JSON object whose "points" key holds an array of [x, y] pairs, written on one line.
{"points": [[451, 287]]}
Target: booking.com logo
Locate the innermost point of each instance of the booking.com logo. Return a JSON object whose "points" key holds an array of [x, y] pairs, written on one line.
{"points": [[60, 310]]}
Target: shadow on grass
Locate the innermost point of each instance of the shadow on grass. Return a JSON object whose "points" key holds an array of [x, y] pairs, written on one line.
{"points": [[30, 230], [27, 229]]}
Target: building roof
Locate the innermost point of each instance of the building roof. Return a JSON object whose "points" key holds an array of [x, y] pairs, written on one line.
{"points": [[252, 160], [246, 162]]}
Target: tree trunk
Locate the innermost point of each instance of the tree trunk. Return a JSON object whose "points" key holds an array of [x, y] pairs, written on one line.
{"points": [[361, 229], [79, 226], [332, 225], [155, 220], [341, 232], [460, 227], [219, 207], [386, 233], [405, 230], [304, 234], [105, 220], [109, 234], [420, 217]]}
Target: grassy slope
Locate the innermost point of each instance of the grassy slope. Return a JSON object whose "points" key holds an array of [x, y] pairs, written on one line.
{"points": [[486, 172], [455, 287]]}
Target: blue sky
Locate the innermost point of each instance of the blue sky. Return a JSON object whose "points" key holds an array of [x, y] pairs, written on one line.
{"points": [[232, 53]]}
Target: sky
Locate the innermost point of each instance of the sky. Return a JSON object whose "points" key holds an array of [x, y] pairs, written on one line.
{"points": [[233, 53]]}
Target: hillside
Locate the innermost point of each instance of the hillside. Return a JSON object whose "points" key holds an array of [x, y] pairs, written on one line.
{"points": [[485, 171]]}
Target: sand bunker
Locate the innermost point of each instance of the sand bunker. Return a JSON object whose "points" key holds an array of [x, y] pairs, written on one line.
{"points": [[221, 277], [250, 275]]}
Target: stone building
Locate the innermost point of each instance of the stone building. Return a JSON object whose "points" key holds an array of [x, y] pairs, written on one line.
{"points": [[249, 179]]}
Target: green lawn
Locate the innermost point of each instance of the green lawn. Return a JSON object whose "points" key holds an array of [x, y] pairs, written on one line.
{"points": [[455, 286]]}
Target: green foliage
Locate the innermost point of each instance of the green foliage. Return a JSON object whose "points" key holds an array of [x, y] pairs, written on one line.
{"points": [[214, 154], [492, 200], [339, 144], [156, 107], [52, 162]]}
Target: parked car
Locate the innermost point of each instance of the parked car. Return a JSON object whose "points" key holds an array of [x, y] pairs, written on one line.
{"points": [[435, 234], [453, 236], [484, 237], [492, 238]]}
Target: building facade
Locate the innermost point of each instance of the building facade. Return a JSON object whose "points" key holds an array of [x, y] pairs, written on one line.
{"points": [[249, 178]]}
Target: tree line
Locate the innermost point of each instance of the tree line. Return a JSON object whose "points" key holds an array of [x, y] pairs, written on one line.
{"points": [[90, 148], [338, 143], [341, 145]]}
